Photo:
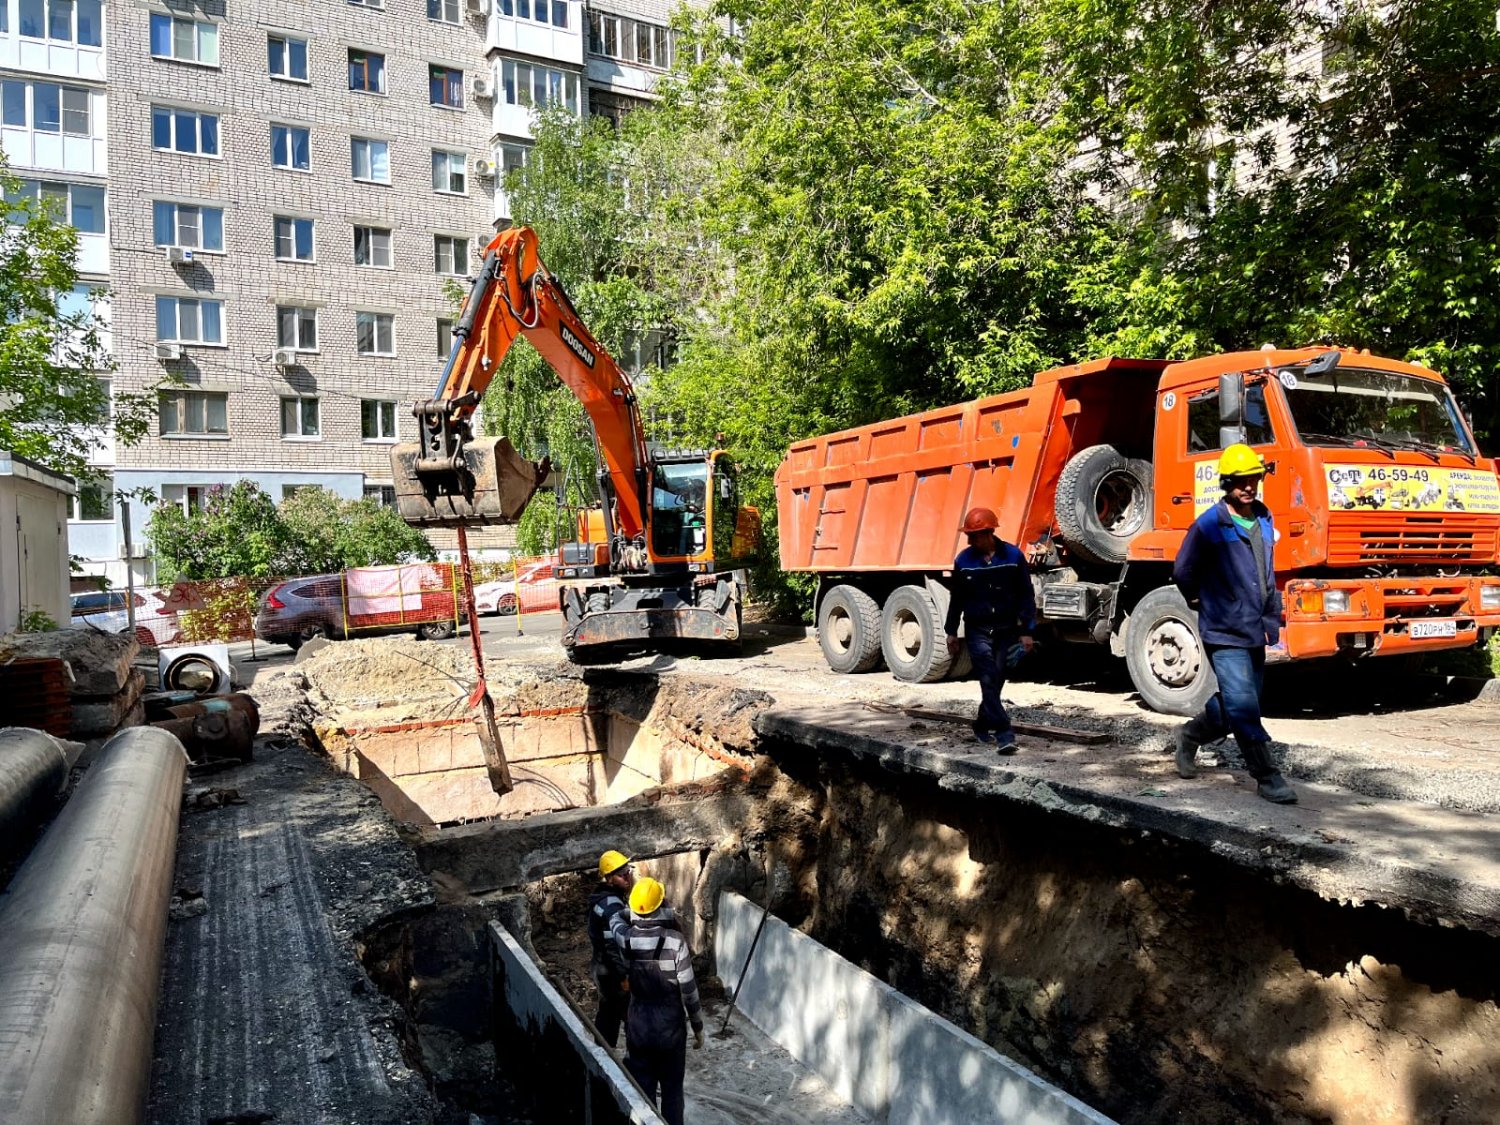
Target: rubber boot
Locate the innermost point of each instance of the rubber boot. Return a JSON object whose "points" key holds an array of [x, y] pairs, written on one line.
{"points": [[1276, 790], [1187, 752]]}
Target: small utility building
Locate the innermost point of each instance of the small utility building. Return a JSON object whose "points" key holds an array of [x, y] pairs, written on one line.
{"points": [[34, 503]]}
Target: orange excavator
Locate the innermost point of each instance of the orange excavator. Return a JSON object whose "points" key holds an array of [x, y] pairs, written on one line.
{"points": [[664, 565]]}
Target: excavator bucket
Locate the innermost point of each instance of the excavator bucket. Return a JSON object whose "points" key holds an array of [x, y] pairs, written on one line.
{"points": [[491, 484]]}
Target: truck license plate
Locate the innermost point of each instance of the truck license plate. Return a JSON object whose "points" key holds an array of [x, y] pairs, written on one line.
{"points": [[1420, 629]]}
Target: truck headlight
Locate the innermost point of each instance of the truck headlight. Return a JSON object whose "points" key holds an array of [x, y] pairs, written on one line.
{"points": [[1335, 601], [1489, 597]]}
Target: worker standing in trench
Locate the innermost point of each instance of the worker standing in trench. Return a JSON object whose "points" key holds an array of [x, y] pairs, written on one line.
{"points": [[1225, 569], [662, 986], [606, 910], [993, 595]]}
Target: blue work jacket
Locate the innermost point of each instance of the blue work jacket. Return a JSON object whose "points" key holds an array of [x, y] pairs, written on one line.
{"points": [[994, 596], [1215, 568]]}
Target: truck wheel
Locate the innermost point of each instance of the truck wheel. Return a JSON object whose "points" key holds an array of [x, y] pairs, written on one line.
{"points": [[963, 664], [911, 636], [849, 630], [1165, 655], [1103, 501]]}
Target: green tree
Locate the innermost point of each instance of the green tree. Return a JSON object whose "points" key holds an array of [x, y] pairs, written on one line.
{"points": [[326, 533], [53, 407]]}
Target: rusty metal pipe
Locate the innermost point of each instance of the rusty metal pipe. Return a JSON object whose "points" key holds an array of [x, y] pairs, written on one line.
{"points": [[33, 769], [81, 931]]}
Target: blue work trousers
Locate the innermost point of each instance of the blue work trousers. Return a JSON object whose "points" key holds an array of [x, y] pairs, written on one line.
{"points": [[660, 1072], [988, 655], [1235, 708]]}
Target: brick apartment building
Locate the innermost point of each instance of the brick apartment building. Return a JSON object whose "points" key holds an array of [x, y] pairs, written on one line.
{"points": [[276, 194]]}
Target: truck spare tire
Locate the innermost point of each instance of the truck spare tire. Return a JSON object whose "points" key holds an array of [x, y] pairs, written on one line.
{"points": [[1103, 502]]}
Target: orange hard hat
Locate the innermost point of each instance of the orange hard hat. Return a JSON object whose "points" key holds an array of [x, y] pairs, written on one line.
{"points": [[980, 519]]}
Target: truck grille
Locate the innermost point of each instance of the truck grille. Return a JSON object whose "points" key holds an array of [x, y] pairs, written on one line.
{"points": [[1411, 538]]}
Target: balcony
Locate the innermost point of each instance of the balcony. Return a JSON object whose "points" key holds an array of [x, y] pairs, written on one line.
{"points": [[517, 35]]}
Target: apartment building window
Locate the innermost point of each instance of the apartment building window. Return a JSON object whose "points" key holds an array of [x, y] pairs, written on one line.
{"points": [[539, 86], [375, 333], [382, 494], [106, 389], [189, 320], [554, 12], [448, 172], [188, 226], [450, 255], [294, 239], [372, 247], [446, 86], [184, 130], [184, 40], [291, 147], [286, 57], [377, 419], [66, 21], [445, 11], [81, 206], [299, 418], [376, 5], [444, 337], [366, 71], [53, 108], [634, 41], [95, 501], [189, 497], [297, 328], [370, 160], [192, 412], [512, 158]]}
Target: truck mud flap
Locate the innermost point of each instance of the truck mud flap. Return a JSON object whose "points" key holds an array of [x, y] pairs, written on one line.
{"points": [[492, 486]]}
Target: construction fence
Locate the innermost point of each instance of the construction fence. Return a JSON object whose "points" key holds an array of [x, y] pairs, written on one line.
{"points": [[421, 598]]}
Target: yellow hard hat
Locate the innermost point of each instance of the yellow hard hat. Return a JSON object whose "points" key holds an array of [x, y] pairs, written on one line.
{"points": [[610, 862], [646, 896], [1239, 460]]}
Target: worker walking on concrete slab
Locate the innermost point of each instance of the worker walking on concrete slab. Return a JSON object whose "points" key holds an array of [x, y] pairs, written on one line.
{"points": [[992, 593], [662, 987], [1226, 570], [607, 911]]}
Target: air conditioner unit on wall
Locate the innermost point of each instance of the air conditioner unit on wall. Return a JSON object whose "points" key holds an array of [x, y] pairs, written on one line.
{"points": [[178, 256], [484, 167], [481, 88], [168, 351], [284, 357]]}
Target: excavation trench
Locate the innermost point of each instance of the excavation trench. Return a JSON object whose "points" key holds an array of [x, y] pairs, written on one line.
{"points": [[1148, 976]]}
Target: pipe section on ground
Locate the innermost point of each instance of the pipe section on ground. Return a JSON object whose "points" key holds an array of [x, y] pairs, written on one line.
{"points": [[81, 934], [33, 770]]}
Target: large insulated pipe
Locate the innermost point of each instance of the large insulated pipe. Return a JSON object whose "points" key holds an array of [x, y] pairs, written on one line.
{"points": [[33, 770], [81, 933]]}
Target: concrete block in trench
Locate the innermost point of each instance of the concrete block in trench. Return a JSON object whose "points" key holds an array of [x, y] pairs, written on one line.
{"points": [[890, 1057], [100, 661]]}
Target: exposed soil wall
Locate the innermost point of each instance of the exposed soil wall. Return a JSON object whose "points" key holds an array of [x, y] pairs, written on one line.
{"points": [[1150, 980]]}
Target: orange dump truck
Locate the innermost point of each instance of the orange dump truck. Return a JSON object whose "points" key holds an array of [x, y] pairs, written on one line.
{"points": [[1387, 514]]}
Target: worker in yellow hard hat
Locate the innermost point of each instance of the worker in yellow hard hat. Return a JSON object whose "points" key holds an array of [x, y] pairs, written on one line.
{"points": [[991, 593], [1226, 570], [606, 913], [663, 999]]}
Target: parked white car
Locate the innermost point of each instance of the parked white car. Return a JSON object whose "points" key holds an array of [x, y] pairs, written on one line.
{"points": [[106, 611]]}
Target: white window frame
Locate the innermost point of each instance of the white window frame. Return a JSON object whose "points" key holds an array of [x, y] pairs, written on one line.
{"points": [[199, 402], [558, 87], [312, 238], [377, 321], [373, 5], [65, 94], [200, 31], [463, 171], [198, 116], [177, 228], [47, 12], [383, 494], [452, 243], [379, 413], [38, 190], [286, 40], [301, 317], [299, 431], [177, 337], [105, 489], [188, 497], [443, 7], [371, 235], [290, 132], [369, 143], [441, 332]]}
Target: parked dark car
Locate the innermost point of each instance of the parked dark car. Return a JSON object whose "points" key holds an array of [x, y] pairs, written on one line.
{"points": [[299, 609]]}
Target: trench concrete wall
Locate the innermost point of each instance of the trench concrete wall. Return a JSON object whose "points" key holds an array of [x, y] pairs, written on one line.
{"points": [[888, 1056], [549, 1053]]}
